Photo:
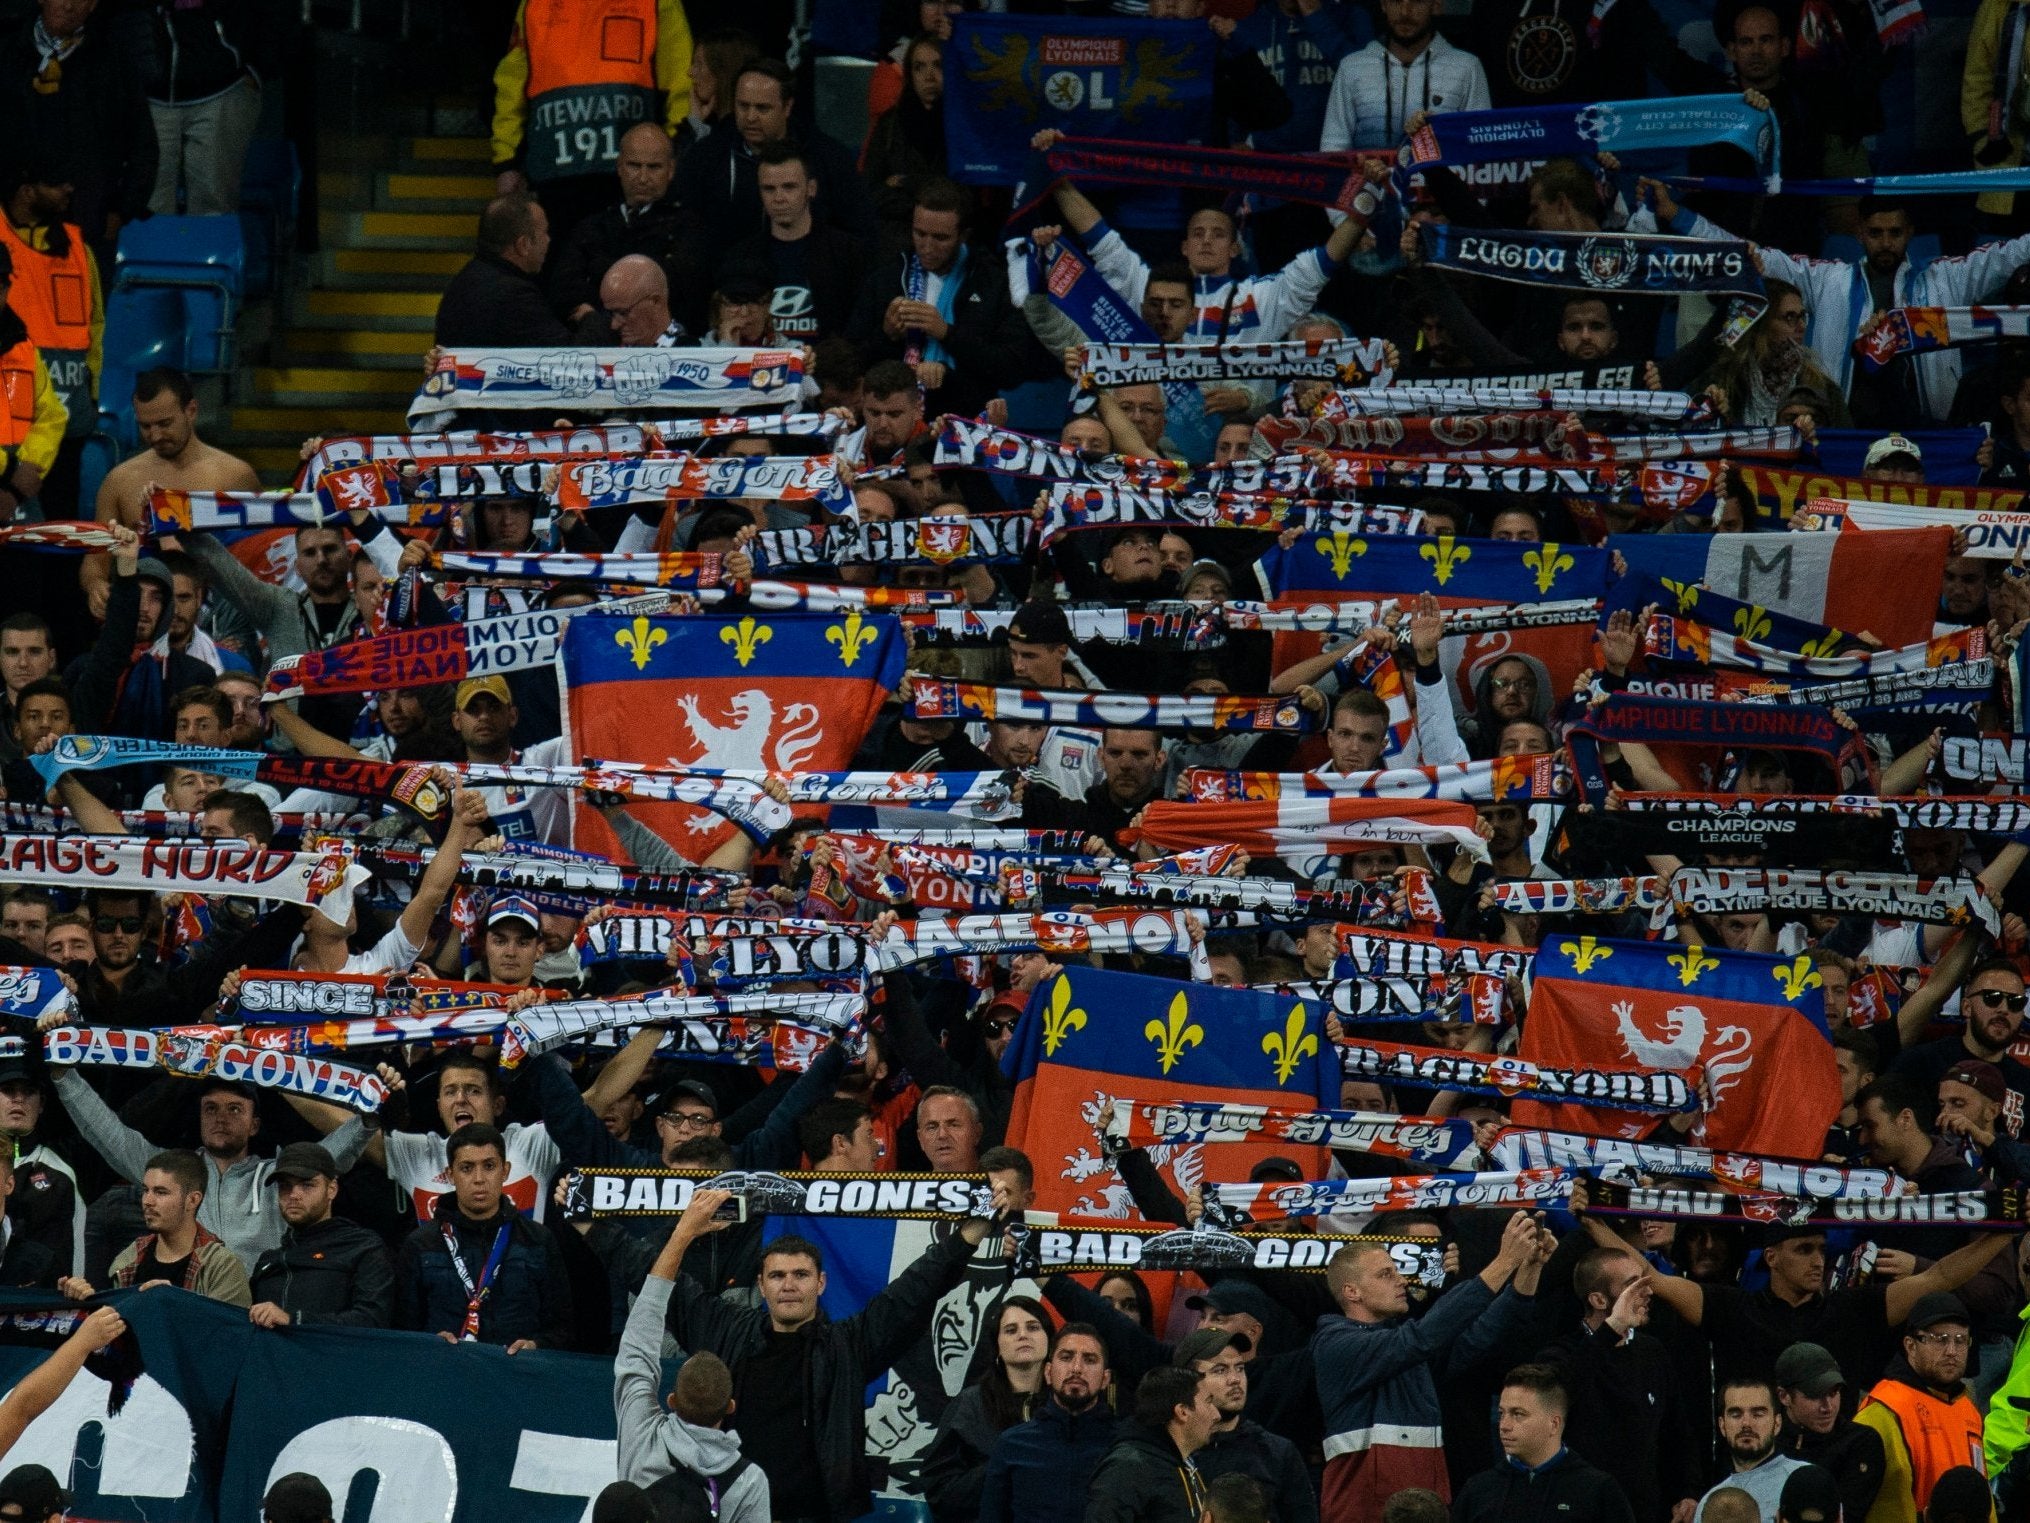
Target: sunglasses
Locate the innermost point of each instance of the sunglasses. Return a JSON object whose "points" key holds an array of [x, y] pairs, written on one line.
{"points": [[1995, 999], [1000, 1028], [130, 924]]}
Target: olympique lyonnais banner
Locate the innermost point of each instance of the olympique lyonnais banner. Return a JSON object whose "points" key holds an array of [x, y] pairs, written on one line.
{"points": [[782, 693], [1771, 824], [1350, 361], [1958, 901], [1237, 1203], [197, 1057], [58, 536], [1618, 264], [1090, 1033], [935, 699], [223, 1409], [614, 440], [596, 1194], [1631, 1089], [1997, 533], [608, 380], [29, 994], [682, 478], [438, 653], [1753, 1026], [1503, 777], [537, 1029], [323, 880], [1968, 1210], [1621, 126], [1778, 494], [1286, 825], [1922, 330], [1098, 77], [1473, 998], [1672, 724], [1056, 1243]]}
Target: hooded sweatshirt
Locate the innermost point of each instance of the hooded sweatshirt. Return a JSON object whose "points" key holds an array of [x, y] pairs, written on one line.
{"points": [[654, 1441]]}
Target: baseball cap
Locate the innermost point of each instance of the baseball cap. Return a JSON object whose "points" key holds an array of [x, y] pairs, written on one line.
{"points": [[1208, 1343], [241, 1087], [741, 290], [1810, 1495], [472, 687], [1985, 1078], [1889, 446], [14, 1060], [1960, 1496], [298, 1497], [1809, 1370], [1276, 1167], [1201, 568], [685, 1089], [305, 1160], [513, 906], [1040, 623], [34, 1490], [1235, 1296], [1939, 1306], [623, 1502]]}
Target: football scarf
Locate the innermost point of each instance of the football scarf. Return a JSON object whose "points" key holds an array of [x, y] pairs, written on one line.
{"points": [[620, 441], [119, 1047], [414, 787], [1665, 721], [1204, 712], [1475, 1073], [1963, 1211], [1235, 1204], [1612, 264], [1331, 180], [1052, 1244], [29, 994], [1350, 361], [608, 380], [1622, 127], [58, 536], [539, 1029], [963, 444], [1557, 393], [1497, 779], [1576, 896], [1477, 999], [1365, 953], [1287, 825], [1924, 330], [324, 879], [937, 539], [602, 1194], [683, 571], [1957, 901], [1996, 531], [582, 485], [1077, 507]]}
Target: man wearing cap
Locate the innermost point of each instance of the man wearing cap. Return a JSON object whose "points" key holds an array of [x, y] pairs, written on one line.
{"points": [[30, 1494], [298, 1497], [1067, 758], [1811, 1496], [44, 1206], [1238, 1444], [1894, 457], [327, 1271], [1921, 1410], [1817, 1431], [484, 718], [513, 944]]}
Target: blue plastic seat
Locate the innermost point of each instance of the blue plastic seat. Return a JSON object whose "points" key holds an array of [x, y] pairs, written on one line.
{"points": [[203, 260], [145, 328]]}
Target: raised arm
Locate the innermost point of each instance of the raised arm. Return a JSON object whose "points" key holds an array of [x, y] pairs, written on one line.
{"points": [[1922, 1007], [1949, 1273], [37, 1391]]}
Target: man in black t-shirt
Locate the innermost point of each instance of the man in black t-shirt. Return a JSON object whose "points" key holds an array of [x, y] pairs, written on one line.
{"points": [[814, 271]]}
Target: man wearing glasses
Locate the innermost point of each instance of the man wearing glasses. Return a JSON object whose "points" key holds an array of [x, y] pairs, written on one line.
{"points": [[1991, 1001], [1921, 1409]]}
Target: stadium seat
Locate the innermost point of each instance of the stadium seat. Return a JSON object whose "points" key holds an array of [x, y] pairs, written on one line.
{"points": [[889, 1509], [271, 192], [144, 329], [203, 259]]}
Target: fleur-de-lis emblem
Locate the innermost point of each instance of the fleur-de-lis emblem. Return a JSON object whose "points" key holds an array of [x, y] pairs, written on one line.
{"points": [[1340, 548], [1446, 556], [639, 639], [1690, 963], [1174, 1035], [1290, 1046], [852, 636], [746, 638], [1546, 562], [1687, 593], [1060, 1017], [1752, 623], [1826, 644], [1585, 952], [1796, 976]]}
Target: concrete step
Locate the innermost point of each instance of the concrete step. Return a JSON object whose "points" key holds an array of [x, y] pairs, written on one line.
{"points": [[337, 392], [364, 347], [379, 310], [450, 150], [443, 192], [301, 422], [448, 232], [407, 270]]}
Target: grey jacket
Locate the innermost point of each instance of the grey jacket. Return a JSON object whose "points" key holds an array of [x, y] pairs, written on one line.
{"points": [[240, 1206], [654, 1441], [281, 615]]}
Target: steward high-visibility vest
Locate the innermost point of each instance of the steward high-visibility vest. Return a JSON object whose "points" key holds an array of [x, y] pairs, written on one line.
{"points": [[591, 78], [52, 295], [1934, 1436], [17, 389]]}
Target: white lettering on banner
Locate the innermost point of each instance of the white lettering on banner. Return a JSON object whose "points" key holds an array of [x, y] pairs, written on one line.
{"points": [[559, 1465], [289, 996], [148, 1443], [415, 1470]]}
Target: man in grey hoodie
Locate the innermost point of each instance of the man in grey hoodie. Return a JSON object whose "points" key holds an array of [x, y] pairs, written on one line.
{"points": [[684, 1439]]}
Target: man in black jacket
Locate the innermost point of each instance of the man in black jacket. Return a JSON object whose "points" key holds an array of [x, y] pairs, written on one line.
{"points": [[644, 222], [1623, 1412], [943, 309], [799, 1378], [1149, 1476], [495, 302], [327, 1271], [1239, 1445], [1539, 1477], [1035, 1465], [23, 1260], [813, 270], [1816, 1430]]}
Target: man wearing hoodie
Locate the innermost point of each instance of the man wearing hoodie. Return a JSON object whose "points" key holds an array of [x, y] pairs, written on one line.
{"points": [[1539, 1476], [683, 1437], [1149, 1476], [1927, 1421], [1376, 1367]]}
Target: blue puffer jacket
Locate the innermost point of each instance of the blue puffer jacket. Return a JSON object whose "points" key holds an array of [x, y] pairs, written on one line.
{"points": [[530, 1298]]}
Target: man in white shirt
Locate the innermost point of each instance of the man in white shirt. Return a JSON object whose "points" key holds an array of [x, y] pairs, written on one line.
{"points": [[1408, 69]]}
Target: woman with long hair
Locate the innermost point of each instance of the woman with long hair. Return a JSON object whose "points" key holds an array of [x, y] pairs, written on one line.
{"points": [[907, 145], [1770, 362], [1124, 1291], [716, 61], [1014, 1342]]}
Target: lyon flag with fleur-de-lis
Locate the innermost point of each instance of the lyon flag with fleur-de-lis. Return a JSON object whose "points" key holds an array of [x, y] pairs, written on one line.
{"points": [[773, 692], [1089, 1035], [1752, 1026]]}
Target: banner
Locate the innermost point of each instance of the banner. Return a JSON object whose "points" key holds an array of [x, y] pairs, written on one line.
{"points": [[413, 786], [1515, 1078], [1576, 896], [686, 478], [1320, 179], [1056, 1244], [1233, 1204], [1753, 1027], [1738, 726], [1364, 953], [1499, 778], [1997, 533], [1587, 389], [1965, 1211], [938, 539], [604, 1193], [1292, 825], [1469, 998], [968, 701], [608, 380], [613, 440], [1612, 264], [1621, 127], [1956, 901], [537, 1029], [1349, 361], [1075, 507], [780, 693], [1437, 1141], [1923, 330], [964, 444], [1769, 824], [1088, 1034], [1779, 493], [199, 1057], [1206, 625], [1102, 77], [323, 880]]}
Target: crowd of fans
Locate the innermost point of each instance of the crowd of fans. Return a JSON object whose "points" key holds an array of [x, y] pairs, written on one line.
{"points": [[1571, 1365]]}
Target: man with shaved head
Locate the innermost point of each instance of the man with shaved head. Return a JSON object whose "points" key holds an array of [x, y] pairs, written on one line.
{"points": [[643, 221], [634, 301]]}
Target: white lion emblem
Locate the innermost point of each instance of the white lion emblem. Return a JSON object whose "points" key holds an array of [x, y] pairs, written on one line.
{"points": [[747, 743]]}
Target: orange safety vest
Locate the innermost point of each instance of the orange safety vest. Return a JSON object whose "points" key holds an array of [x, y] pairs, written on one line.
{"points": [[592, 76], [17, 388], [52, 295], [1939, 1435]]}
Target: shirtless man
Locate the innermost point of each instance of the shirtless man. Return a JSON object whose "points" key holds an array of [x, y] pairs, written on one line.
{"points": [[165, 410]]}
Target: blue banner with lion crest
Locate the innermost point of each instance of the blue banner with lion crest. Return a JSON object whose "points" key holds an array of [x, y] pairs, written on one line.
{"points": [[1008, 76]]}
